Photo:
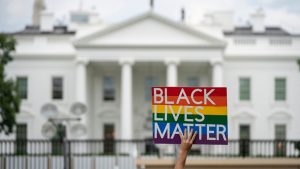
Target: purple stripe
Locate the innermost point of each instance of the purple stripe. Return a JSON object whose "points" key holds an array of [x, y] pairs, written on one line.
{"points": [[177, 140]]}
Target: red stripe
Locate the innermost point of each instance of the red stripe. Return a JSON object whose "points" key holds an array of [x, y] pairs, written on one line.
{"points": [[174, 91], [218, 100]]}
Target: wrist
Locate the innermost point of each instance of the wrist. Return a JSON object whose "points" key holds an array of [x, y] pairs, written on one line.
{"points": [[183, 152]]}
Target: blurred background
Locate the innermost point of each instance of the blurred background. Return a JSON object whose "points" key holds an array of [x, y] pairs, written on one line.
{"points": [[76, 80]]}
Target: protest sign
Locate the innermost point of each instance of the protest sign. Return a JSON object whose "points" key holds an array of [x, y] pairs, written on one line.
{"points": [[203, 109]]}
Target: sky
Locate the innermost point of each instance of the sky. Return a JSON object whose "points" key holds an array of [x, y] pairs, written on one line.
{"points": [[16, 14]]}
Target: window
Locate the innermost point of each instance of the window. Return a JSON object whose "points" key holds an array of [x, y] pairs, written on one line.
{"points": [[148, 120], [150, 147], [280, 89], [280, 132], [58, 140], [245, 132], [280, 42], [22, 83], [109, 137], [79, 17], [108, 88], [193, 81], [244, 89], [244, 42], [149, 82], [57, 88], [244, 140], [280, 136], [21, 137]]}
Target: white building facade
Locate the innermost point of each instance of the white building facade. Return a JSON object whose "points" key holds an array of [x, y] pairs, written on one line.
{"points": [[111, 69]]}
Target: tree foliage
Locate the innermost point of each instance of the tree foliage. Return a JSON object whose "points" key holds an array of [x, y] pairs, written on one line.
{"points": [[9, 99]]}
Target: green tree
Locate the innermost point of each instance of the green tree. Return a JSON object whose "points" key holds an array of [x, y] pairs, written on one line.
{"points": [[9, 99]]}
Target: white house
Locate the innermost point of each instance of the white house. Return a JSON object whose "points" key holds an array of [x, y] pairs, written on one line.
{"points": [[111, 67]]}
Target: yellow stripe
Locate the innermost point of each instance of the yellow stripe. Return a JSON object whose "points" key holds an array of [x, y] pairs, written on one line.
{"points": [[207, 110]]}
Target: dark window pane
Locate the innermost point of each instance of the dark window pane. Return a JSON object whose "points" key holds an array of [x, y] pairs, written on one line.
{"points": [[148, 120], [57, 88], [244, 84], [280, 131], [244, 132], [280, 136], [58, 140], [108, 88], [280, 89], [193, 81], [21, 139], [79, 18], [22, 87], [244, 140], [109, 138], [150, 147], [150, 81]]}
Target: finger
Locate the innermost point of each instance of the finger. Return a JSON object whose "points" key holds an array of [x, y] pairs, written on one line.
{"points": [[194, 136], [190, 134], [181, 136], [185, 135]]}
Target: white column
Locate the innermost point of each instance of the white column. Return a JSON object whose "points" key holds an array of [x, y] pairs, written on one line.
{"points": [[172, 80], [81, 81], [126, 99], [81, 91], [217, 73], [172, 72], [217, 81]]}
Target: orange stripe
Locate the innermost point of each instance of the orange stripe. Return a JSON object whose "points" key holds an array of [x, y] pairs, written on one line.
{"points": [[206, 110]]}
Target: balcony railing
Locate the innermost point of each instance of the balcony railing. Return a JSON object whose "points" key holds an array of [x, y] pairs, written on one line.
{"points": [[235, 148]]}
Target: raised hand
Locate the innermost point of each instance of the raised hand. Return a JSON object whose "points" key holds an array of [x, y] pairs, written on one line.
{"points": [[185, 146], [187, 140]]}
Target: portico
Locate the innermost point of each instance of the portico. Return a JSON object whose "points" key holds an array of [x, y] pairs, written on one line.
{"points": [[129, 54], [129, 82]]}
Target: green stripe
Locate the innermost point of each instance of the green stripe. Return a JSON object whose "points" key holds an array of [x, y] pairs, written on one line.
{"points": [[208, 119]]}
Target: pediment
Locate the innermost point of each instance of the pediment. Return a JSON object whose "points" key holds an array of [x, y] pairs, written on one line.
{"points": [[107, 112], [244, 115], [149, 30], [24, 114], [280, 116]]}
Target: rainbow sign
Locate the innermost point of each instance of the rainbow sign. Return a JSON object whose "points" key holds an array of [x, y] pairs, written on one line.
{"points": [[203, 109]]}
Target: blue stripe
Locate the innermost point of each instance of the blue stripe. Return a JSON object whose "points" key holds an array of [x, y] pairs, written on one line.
{"points": [[162, 126]]}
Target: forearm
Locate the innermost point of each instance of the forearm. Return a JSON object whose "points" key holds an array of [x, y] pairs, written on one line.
{"points": [[185, 147], [180, 162]]}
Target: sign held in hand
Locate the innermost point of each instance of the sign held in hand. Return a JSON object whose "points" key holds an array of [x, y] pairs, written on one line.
{"points": [[203, 109]]}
